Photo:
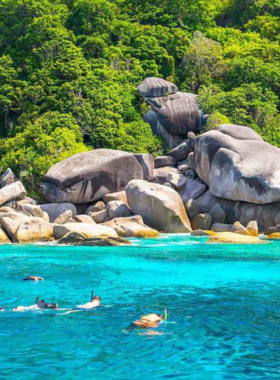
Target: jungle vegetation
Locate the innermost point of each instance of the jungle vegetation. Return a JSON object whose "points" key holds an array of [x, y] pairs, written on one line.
{"points": [[69, 70]]}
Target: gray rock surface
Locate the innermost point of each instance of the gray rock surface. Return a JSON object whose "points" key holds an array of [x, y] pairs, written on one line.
{"points": [[178, 113], [238, 228], [201, 222], [54, 210], [181, 151], [171, 140], [272, 230], [191, 161], [253, 228], [11, 204], [164, 161], [189, 173], [239, 132], [83, 219], [276, 215], [26, 201], [160, 206], [5, 210], [118, 196], [65, 217], [88, 176], [100, 216], [88, 229], [154, 87], [117, 209], [183, 168], [97, 206], [166, 170], [8, 178], [192, 190], [177, 181], [102, 242], [147, 164], [200, 233], [217, 213], [168, 184], [71, 238], [238, 165], [12, 192], [10, 222], [132, 226], [4, 238], [173, 113], [266, 215], [33, 230], [191, 208], [81, 208], [32, 210], [221, 227]]}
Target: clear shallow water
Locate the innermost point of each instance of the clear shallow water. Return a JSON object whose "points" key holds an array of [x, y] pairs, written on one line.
{"points": [[223, 304]]}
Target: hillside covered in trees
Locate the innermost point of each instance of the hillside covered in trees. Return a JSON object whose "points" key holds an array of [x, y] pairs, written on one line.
{"points": [[69, 72]]}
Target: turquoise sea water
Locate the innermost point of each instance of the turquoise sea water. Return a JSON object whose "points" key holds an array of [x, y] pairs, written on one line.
{"points": [[223, 304]]}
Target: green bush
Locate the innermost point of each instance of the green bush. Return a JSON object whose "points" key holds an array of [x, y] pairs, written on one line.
{"points": [[69, 72]]}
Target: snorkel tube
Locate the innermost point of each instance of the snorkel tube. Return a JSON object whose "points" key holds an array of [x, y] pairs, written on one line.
{"points": [[165, 314]]}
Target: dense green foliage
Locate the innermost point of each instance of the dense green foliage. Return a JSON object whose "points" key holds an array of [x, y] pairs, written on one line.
{"points": [[69, 71]]}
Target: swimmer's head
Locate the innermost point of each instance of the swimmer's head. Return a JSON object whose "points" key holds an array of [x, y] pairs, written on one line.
{"points": [[97, 298], [53, 306], [160, 316], [43, 305]]}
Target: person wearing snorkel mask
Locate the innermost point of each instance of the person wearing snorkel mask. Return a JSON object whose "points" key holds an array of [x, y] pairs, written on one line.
{"points": [[95, 302], [44, 305], [33, 278], [39, 304], [150, 321]]}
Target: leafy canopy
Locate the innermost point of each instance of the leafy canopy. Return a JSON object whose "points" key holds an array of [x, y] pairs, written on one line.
{"points": [[69, 70]]}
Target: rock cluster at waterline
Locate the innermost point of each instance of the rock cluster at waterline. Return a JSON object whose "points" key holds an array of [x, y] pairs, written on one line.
{"points": [[226, 180]]}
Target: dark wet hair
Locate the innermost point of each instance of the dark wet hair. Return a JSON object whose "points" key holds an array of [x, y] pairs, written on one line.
{"points": [[97, 298], [160, 316]]}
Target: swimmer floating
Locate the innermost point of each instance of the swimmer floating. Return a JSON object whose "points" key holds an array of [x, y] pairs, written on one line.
{"points": [[43, 305], [95, 302], [33, 278], [150, 321]]}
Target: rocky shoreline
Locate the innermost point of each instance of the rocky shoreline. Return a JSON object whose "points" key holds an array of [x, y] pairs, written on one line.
{"points": [[224, 183]]}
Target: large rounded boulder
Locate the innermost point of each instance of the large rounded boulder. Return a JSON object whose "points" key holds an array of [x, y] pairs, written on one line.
{"points": [[173, 113], [238, 165], [153, 87], [88, 176], [33, 230], [178, 113], [160, 206], [13, 191], [266, 215]]}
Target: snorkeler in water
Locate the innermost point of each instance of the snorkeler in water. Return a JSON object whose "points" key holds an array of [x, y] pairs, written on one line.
{"points": [[33, 278], [2, 308], [39, 304], [43, 305], [26, 308], [149, 321], [95, 302]]}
